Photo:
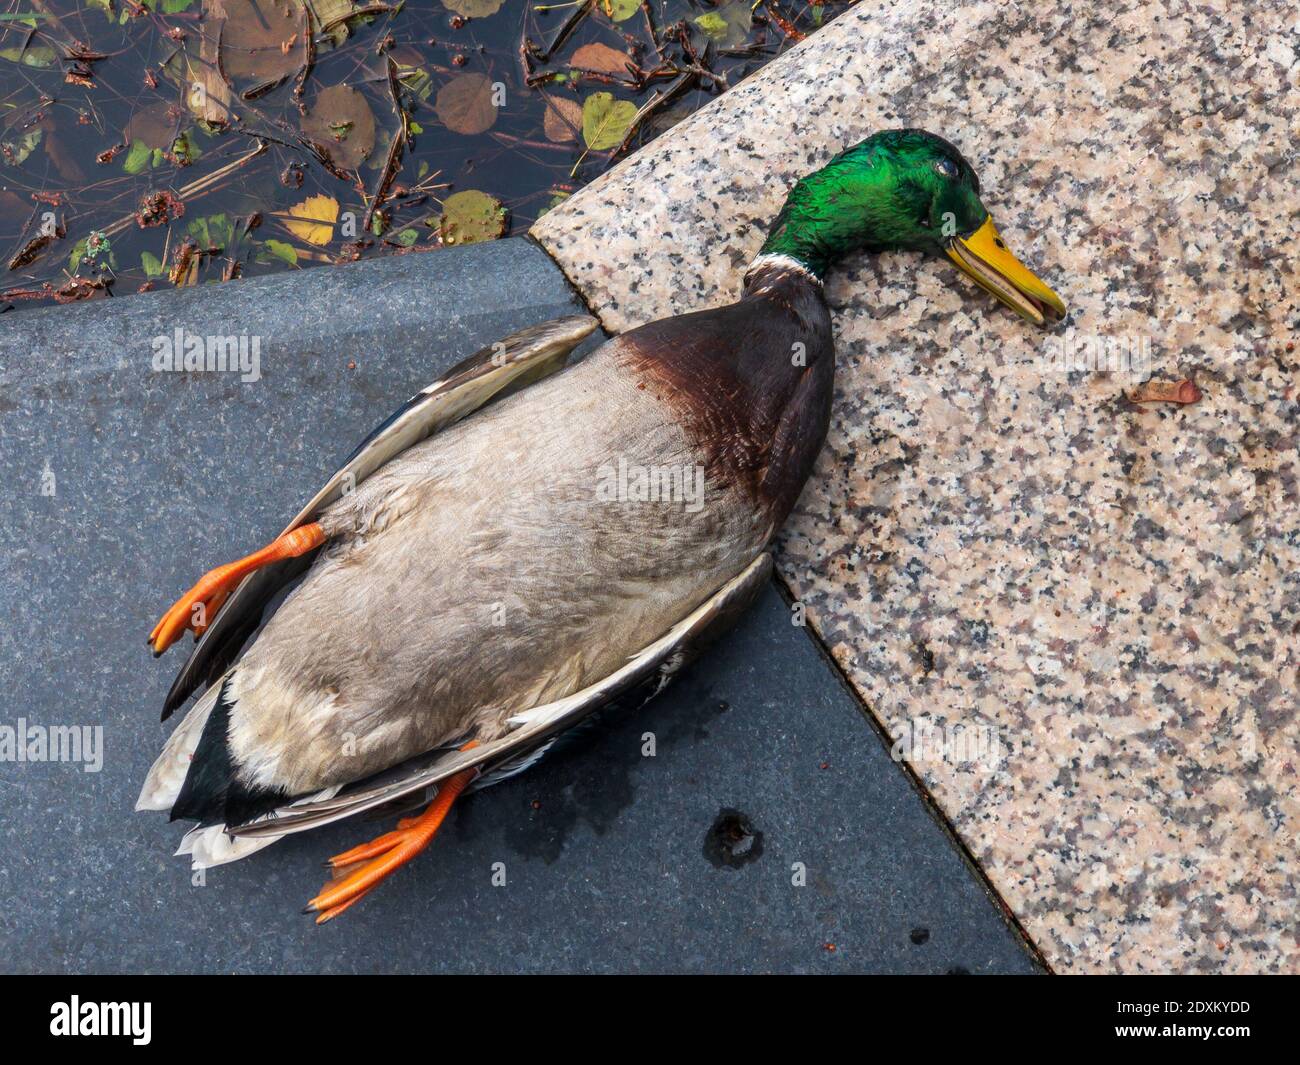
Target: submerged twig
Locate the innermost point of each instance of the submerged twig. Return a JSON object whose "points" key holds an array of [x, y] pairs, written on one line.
{"points": [[394, 148], [194, 189], [566, 30]]}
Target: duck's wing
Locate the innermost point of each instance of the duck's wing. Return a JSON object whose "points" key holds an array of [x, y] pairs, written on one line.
{"points": [[506, 366], [643, 676]]}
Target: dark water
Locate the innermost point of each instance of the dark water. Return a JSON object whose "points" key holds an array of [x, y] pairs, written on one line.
{"points": [[173, 141]]}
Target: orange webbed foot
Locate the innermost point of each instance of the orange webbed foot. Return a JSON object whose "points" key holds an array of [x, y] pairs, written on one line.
{"points": [[363, 867], [197, 608]]}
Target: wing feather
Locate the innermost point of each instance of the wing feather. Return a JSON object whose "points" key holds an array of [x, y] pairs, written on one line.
{"points": [[644, 674]]}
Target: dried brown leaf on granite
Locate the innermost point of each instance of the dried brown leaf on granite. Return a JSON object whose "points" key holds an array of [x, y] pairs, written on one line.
{"points": [[1183, 392]]}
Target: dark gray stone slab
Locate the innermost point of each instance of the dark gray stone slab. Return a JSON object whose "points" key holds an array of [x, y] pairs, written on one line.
{"points": [[608, 858]]}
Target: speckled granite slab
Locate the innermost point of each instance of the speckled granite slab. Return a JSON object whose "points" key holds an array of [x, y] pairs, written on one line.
{"points": [[1104, 598]]}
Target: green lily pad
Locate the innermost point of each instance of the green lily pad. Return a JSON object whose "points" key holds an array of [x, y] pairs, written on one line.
{"points": [[278, 249], [605, 121], [151, 265], [622, 10], [78, 253], [137, 158], [471, 217], [729, 25], [37, 55]]}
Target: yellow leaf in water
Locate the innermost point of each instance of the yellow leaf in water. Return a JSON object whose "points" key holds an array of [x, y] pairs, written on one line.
{"points": [[313, 219]]}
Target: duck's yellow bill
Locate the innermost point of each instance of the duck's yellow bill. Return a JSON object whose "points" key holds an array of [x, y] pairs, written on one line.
{"points": [[985, 259]]}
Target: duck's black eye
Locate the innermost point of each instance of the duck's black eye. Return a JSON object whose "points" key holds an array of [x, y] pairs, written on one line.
{"points": [[946, 167]]}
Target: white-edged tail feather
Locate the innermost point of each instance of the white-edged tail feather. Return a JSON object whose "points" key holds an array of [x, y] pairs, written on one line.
{"points": [[163, 785], [209, 845]]}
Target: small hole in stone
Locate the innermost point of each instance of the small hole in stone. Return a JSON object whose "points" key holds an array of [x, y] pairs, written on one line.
{"points": [[919, 935], [732, 840]]}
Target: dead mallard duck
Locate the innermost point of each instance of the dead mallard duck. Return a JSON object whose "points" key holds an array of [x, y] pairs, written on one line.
{"points": [[522, 543]]}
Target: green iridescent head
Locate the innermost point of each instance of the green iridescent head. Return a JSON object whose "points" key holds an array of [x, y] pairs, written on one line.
{"points": [[905, 189]]}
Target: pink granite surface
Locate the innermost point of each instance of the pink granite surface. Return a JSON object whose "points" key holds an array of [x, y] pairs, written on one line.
{"points": [[1102, 600]]}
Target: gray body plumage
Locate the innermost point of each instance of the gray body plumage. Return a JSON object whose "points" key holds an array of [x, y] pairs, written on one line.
{"points": [[482, 572]]}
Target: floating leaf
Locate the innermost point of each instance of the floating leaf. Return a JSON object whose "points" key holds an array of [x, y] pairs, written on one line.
{"points": [[473, 8], [712, 24], [37, 55], [470, 217], [278, 249], [407, 237], [563, 119], [605, 121], [313, 219], [137, 158], [556, 199], [78, 253], [151, 126], [151, 265], [464, 104], [64, 161], [729, 25], [341, 122], [600, 57], [13, 210], [255, 40], [622, 10], [334, 11], [18, 148], [214, 231]]}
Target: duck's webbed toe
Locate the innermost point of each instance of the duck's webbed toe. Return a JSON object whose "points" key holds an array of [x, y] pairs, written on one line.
{"points": [[359, 870], [197, 608]]}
